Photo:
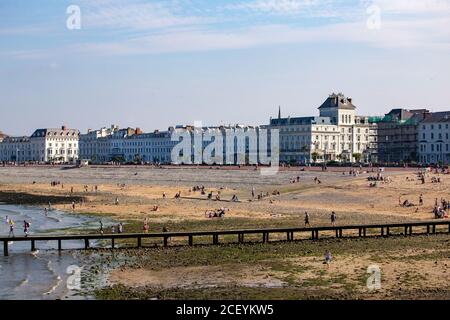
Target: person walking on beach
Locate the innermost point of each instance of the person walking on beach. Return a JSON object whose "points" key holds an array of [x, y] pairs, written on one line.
{"points": [[11, 228], [253, 192], [146, 227], [421, 200], [26, 227], [73, 206], [101, 227], [328, 258], [306, 219], [120, 227], [45, 211], [333, 218]]}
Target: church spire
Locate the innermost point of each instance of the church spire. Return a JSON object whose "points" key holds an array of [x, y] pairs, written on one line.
{"points": [[279, 112]]}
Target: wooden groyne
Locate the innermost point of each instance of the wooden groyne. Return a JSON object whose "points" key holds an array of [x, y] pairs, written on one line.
{"points": [[408, 229]]}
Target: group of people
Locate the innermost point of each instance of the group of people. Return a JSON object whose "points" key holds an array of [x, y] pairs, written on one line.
{"points": [[114, 228], [333, 218], [10, 222], [219, 213], [295, 180], [440, 209]]}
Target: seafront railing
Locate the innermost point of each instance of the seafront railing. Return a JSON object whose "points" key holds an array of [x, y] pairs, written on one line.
{"points": [[408, 228]]}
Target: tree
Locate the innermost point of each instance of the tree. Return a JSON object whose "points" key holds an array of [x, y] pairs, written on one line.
{"points": [[314, 156], [357, 156]]}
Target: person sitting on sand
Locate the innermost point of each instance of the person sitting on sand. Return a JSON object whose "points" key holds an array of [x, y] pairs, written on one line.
{"points": [[155, 208], [234, 198]]}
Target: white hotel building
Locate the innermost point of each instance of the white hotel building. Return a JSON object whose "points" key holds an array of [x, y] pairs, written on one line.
{"points": [[434, 138], [336, 134], [130, 145], [44, 145]]}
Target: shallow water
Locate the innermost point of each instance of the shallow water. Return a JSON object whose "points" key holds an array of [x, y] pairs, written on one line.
{"points": [[42, 274]]}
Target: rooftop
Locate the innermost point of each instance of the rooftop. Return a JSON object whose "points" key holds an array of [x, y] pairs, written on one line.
{"points": [[338, 101]]}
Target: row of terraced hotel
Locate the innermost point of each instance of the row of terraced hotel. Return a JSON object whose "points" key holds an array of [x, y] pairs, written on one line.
{"points": [[336, 134]]}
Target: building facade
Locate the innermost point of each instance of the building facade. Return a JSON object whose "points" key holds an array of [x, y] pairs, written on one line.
{"points": [[44, 145], [434, 138], [337, 134], [398, 135]]}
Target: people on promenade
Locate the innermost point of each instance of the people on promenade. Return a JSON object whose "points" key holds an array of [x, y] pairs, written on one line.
{"points": [[101, 227], [120, 227]]}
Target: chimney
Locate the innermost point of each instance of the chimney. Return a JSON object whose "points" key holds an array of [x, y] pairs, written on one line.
{"points": [[138, 131]]}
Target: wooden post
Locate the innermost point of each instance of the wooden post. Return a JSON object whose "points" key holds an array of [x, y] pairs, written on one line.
{"points": [[288, 236], [406, 231], [382, 231], [340, 233], [313, 235], [434, 228], [33, 246], [5, 248], [86, 243], [292, 236], [191, 241], [317, 234], [364, 231], [360, 232], [410, 230], [387, 231], [112, 243], [59, 245], [215, 239], [139, 240], [428, 228], [165, 241], [241, 238], [337, 233]]}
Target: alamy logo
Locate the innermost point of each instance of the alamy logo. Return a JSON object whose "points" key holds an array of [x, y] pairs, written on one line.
{"points": [[73, 21], [374, 279], [239, 146], [374, 20], [74, 278]]}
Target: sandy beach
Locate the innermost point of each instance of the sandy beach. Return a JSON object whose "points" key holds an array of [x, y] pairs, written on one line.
{"points": [[139, 190]]}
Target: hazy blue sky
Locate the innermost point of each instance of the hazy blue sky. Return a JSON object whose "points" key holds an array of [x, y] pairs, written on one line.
{"points": [[153, 64]]}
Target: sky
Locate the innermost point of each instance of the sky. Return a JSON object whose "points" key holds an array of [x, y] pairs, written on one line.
{"points": [[154, 64]]}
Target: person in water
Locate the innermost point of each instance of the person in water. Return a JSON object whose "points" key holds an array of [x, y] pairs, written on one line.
{"points": [[26, 227], [11, 228]]}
